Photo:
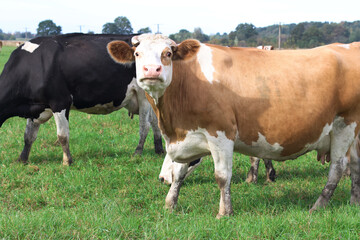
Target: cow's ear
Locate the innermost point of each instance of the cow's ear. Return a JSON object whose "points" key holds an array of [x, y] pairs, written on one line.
{"points": [[186, 49], [121, 52]]}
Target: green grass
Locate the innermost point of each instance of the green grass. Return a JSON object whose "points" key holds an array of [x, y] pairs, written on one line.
{"points": [[4, 55], [110, 194]]}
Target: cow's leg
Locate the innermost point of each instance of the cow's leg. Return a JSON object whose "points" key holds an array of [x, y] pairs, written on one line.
{"points": [[222, 149], [144, 125], [157, 134], [178, 176], [62, 124], [30, 135], [340, 141], [355, 173], [270, 171], [253, 172], [166, 173]]}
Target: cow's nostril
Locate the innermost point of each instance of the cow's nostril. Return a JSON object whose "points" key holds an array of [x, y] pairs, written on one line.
{"points": [[161, 179], [158, 69]]}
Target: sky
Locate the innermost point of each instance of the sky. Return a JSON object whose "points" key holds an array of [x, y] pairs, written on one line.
{"points": [[171, 16]]}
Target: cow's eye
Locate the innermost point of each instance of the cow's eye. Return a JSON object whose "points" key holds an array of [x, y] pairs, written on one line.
{"points": [[168, 54], [136, 54]]}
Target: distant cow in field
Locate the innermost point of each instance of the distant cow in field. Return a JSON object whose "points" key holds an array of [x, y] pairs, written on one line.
{"points": [[216, 100], [268, 47], [48, 76], [1, 44]]}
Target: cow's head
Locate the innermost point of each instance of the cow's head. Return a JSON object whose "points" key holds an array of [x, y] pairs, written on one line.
{"points": [[154, 54]]}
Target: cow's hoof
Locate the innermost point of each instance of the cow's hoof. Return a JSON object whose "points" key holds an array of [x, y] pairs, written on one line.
{"points": [[23, 161], [159, 151]]}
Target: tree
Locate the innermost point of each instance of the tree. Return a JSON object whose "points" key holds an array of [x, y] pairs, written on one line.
{"points": [[182, 35], [245, 34], [297, 33], [48, 28], [144, 30], [312, 37], [199, 35], [121, 25]]}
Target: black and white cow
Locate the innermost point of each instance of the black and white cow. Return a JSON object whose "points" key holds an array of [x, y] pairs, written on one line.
{"points": [[48, 76]]}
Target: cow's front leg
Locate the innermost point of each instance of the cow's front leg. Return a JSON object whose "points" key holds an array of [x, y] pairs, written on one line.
{"points": [[30, 136], [62, 124], [178, 176], [31, 131], [144, 125], [222, 152], [156, 131]]}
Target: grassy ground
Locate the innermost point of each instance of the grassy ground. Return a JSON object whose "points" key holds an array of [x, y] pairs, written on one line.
{"points": [[110, 194]]}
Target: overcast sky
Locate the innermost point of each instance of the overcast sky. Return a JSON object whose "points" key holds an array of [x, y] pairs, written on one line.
{"points": [[171, 16]]}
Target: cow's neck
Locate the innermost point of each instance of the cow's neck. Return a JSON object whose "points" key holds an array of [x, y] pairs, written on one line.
{"points": [[176, 110]]}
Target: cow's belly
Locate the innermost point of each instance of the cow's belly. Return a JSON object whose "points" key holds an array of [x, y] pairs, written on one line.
{"points": [[263, 149], [130, 102], [99, 108], [194, 146]]}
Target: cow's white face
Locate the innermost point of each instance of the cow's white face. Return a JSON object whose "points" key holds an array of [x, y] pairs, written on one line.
{"points": [[153, 54], [153, 64]]}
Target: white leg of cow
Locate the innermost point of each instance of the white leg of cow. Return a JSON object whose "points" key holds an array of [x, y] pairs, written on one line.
{"points": [[62, 125], [222, 152], [355, 173], [157, 134], [178, 175], [30, 136], [253, 172], [340, 141], [166, 172]]}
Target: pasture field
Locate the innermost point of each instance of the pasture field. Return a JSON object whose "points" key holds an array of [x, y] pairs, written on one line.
{"points": [[110, 194]]}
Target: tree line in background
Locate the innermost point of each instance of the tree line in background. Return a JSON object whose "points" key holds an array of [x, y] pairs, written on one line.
{"points": [[301, 35]]}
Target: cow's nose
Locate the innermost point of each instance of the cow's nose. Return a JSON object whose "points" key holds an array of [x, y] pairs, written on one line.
{"points": [[152, 71]]}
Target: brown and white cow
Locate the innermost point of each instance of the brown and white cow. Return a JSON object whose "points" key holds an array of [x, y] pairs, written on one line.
{"points": [[215, 100]]}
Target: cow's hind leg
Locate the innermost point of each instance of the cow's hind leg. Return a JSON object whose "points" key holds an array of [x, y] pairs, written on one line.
{"points": [[355, 172], [62, 124], [30, 135], [340, 141], [270, 171], [222, 149], [253, 172]]}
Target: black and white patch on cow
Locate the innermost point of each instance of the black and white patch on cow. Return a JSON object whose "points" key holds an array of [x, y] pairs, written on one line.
{"points": [[48, 76]]}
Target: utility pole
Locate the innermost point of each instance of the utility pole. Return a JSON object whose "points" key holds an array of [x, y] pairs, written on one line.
{"points": [[279, 41]]}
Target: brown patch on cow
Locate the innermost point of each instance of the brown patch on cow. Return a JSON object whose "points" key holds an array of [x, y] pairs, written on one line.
{"points": [[287, 96], [186, 50], [166, 56], [121, 52]]}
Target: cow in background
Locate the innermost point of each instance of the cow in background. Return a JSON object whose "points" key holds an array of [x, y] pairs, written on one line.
{"points": [[48, 76], [1, 44]]}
